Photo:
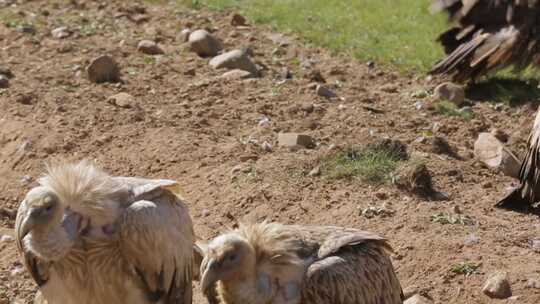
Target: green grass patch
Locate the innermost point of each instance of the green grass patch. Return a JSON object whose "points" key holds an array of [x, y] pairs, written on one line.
{"points": [[452, 219], [464, 268], [400, 33], [446, 108], [369, 164]]}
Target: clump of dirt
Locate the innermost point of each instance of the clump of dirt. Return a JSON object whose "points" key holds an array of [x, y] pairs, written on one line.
{"points": [[416, 178]]}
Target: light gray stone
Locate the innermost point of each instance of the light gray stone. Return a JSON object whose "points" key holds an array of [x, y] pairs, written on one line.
{"points": [[60, 32], [204, 44], [237, 59], [418, 299], [103, 69], [492, 152], [450, 92], [497, 286], [295, 140], [149, 47]]}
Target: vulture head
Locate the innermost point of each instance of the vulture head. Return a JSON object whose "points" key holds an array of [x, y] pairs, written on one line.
{"points": [[46, 226], [230, 258], [50, 219]]}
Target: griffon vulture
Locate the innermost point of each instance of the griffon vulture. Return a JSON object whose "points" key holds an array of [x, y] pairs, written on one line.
{"points": [[488, 35], [272, 263], [527, 194], [90, 238]]}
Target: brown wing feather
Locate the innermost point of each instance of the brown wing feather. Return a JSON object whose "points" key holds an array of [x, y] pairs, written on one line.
{"points": [[489, 35], [356, 274], [156, 238]]}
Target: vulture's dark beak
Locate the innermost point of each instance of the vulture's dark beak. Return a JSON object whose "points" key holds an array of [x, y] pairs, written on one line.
{"points": [[27, 225], [209, 274]]}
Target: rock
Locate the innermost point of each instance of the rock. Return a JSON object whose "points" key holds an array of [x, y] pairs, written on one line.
{"points": [[6, 72], [26, 29], [315, 171], [237, 59], [409, 292], [60, 32], [295, 140], [497, 286], [4, 81], [315, 76], [237, 74], [204, 44], [450, 92], [471, 240], [490, 151], [500, 135], [238, 20], [6, 239], [149, 47], [415, 178], [123, 100], [103, 69], [418, 299], [533, 284], [184, 35], [535, 244], [324, 92]]}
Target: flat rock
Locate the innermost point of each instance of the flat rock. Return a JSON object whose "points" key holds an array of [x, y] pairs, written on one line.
{"points": [[4, 81], [295, 140], [237, 74], [418, 299], [492, 152], [60, 32], [204, 44], [6, 72], [450, 92], [149, 47], [6, 238], [103, 69], [238, 20], [123, 100], [184, 35], [533, 283], [497, 286], [324, 91], [237, 59]]}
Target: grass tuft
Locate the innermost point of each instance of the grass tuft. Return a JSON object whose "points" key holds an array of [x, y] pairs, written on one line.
{"points": [[452, 219], [372, 164], [465, 268], [446, 108]]}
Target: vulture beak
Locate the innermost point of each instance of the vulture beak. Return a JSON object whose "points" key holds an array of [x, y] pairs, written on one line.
{"points": [[28, 224], [209, 275]]}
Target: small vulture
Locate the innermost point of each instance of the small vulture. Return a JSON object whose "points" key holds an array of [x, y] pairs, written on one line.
{"points": [[488, 35], [90, 238], [527, 194], [271, 263]]}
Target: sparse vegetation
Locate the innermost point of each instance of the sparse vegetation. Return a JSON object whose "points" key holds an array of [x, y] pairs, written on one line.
{"points": [[447, 108], [452, 219], [464, 268], [372, 164]]}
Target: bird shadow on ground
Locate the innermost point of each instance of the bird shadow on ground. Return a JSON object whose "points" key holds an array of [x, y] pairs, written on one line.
{"points": [[509, 91]]}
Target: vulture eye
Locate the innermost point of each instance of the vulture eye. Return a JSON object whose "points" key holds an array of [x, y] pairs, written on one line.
{"points": [[49, 208], [233, 257]]}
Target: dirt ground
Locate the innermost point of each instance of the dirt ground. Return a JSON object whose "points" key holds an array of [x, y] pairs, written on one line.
{"points": [[189, 124]]}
